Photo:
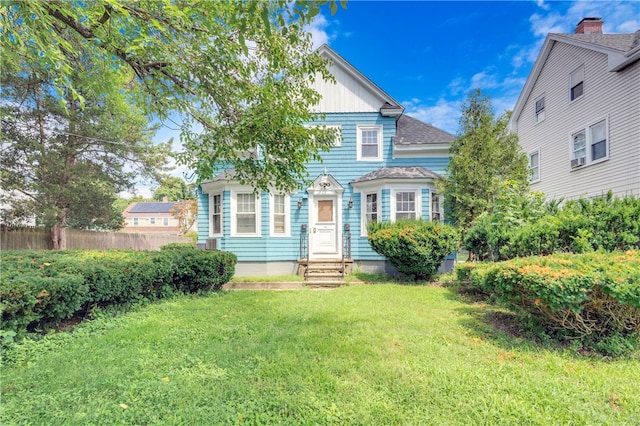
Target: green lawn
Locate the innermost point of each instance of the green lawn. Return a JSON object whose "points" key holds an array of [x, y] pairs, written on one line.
{"points": [[368, 354]]}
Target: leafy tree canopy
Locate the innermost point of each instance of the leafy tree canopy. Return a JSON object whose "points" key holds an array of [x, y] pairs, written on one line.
{"points": [[236, 71], [484, 156], [174, 188]]}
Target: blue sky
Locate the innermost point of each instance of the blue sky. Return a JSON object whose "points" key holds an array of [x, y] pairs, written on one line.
{"points": [[429, 54]]}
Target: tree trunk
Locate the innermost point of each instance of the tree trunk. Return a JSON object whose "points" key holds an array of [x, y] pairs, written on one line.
{"points": [[59, 233]]}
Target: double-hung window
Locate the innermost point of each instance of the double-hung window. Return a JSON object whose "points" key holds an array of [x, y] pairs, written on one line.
{"points": [[590, 144], [246, 219], [576, 83], [406, 205], [369, 143], [279, 213], [540, 109], [152, 221], [165, 221], [436, 215], [136, 221], [534, 166], [216, 214]]}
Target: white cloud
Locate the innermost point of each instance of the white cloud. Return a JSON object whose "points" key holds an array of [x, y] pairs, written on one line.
{"points": [[444, 114], [318, 32]]}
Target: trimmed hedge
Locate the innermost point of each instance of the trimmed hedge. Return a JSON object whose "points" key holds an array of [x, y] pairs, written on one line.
{"points": [[416, 248], [42, 288], [592, 294]]}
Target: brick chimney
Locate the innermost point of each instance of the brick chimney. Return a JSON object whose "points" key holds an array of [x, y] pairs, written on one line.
{"points": [[589, 26]]}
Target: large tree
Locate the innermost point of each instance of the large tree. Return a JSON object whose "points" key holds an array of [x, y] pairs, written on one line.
{"points": [[174, 188], [236, 72], [63, 164], [484, 156]]}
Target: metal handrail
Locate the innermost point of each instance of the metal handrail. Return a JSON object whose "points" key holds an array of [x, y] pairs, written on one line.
{"points": [[304, 249], [346, 246]]}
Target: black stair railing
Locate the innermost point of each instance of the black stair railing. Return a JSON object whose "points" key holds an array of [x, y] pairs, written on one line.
{"points": [[346, 246]]}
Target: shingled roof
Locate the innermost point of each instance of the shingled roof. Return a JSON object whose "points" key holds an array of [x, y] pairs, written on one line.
{"points": [[621, 42], [412, 172], [414, 132]]}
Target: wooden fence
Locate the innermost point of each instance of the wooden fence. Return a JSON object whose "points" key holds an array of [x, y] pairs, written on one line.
{"points": [[40, 238]]}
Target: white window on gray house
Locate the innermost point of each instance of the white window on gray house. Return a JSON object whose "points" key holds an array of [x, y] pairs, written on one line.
{"points": [[576, 83], [216, 214], [534, 166], [165, 221], [406, 205], [279, 214], [590, 144], [598, 143], [369, 143], [246, 215], [436, 215], [540, 109]]}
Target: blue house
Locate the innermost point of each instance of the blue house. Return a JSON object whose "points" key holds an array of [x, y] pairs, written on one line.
{"points": [[383, 168]]}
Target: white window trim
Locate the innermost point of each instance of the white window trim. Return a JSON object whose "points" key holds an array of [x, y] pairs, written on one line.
{"points": [[287, 217], [537, 151], [135, 221], [165, 221], [571, 84], [152, 221], [433, 191], [416, 189], [233, 209], [359, 130], [363, 209], [544, 109], [589, 142], [211, 233]]}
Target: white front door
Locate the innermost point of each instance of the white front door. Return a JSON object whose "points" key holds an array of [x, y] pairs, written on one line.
{"points": [[324, 227]]}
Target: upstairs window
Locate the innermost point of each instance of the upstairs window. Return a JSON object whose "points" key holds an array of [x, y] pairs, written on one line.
{"points": [[540, 109], [369, 143], [590, 144], [576, 83], [534, 166]]}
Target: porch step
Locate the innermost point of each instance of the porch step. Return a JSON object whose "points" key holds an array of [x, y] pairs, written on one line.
{"points": [[324, 273]]}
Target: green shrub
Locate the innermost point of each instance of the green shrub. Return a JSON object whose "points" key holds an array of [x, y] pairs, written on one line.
{"points": [[41, 288], [592, 295], [415, 248]]}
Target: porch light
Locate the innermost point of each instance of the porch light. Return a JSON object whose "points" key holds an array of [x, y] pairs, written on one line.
{"points": [[324, 180], [299, 203], [350, 203]]}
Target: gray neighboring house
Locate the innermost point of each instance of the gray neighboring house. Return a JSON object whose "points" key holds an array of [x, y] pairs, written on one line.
{"points": [[578, 116]]}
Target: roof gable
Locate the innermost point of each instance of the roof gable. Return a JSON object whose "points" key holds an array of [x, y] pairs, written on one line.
{"points": [[352, 90], [621, 50]]}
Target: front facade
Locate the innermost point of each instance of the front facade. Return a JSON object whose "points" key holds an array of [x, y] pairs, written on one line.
{"points": [[578, 116], [150, 218], [382, 168]]}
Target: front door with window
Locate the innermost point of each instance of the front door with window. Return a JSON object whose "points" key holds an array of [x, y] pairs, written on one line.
{"points": [[324, 226]]}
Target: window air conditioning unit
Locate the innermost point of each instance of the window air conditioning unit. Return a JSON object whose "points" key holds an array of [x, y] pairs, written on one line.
{"points": [[211, 244], [577, 162]]}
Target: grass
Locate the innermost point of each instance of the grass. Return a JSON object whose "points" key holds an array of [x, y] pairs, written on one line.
{"points": [[372, 355], [268, 278]]}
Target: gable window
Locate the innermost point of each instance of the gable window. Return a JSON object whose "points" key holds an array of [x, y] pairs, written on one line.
{"points": [[590, 144], [534, 166], [369, 143], [279, 213], [216, 214], [246, 214], [436, 215], [406, 205], [576, 83], [540, 109]]}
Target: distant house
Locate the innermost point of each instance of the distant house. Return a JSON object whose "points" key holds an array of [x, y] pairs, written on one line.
{"points": [[578, 116], [382, 168], [151, 218]]}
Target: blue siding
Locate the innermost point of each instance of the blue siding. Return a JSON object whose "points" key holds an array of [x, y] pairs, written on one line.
{"points": [[341, 163]]}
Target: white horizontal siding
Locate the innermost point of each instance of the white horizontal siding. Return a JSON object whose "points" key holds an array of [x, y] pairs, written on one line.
{"points": [[612, 95]]}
